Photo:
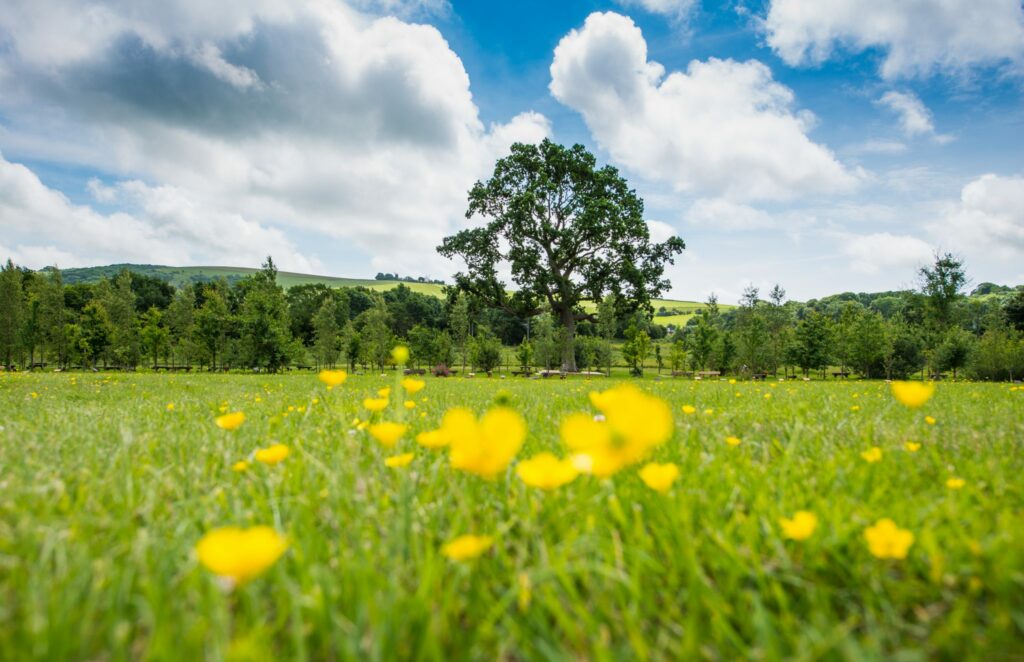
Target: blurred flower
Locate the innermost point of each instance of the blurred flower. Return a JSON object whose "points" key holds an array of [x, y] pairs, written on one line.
{"points": [[410, 404], [689, 409], [733, 441], [240, 466], [631, 424], [240, 554], [230, 421], [413, 386], [432, 439], [955, 483], [659, 477], [388, 433], [399, 461], [467, 547], [170, 406], [872, 455], [376, 404], [913, 394], [272, 454], [546, 471], [929, 420], [485, 446], [384, 392], [400, 354], [888, 541], [333, 377], [911, 446], [800, 527]]}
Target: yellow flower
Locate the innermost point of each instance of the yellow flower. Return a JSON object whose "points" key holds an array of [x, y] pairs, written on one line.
{"points": [[732, 381], [384, 392], [467, 547], [709, 412], [872, 455], [955, 483], [388, 433], [689, 409], [240, 554], [375, 404], [633, 423], [170, 406], [230, 421], [400, 354], [432, 439], [272, 454], [410, 404], [240, 466], [399, 461], [659, 477], [929, 420], [733, 441], [546, 471], [911, 446], [483, 447], [913, 394], [800, 527], [413, 386], [888, 541], [855, 408], [333, 377]]}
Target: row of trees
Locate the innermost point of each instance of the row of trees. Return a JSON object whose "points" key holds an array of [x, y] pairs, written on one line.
{"points": [[132, 319]]}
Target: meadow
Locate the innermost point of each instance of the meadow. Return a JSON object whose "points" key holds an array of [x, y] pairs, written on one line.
{"points": [[109, 482]]}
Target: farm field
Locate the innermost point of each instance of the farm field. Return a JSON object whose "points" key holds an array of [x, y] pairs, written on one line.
{"points": [[110, 482]]}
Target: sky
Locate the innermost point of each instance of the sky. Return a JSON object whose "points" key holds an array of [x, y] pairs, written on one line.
{"points": [[825, 145]]}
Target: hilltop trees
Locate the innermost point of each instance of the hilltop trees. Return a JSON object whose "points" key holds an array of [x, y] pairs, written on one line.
{"points": [[570, 233]]}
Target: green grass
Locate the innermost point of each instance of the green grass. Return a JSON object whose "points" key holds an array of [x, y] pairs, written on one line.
{"points": [[105, 493]]}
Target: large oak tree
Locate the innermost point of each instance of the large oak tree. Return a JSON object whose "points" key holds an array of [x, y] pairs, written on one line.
{"points": [[570, 232]]}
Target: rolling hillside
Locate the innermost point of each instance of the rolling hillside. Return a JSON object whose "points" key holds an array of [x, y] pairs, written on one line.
{"points": [[678, 311]]}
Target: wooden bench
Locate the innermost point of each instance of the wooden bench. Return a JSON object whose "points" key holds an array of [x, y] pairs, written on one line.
{"points": [[844, 375], [414, 371], [172, 368], [707, 373]]}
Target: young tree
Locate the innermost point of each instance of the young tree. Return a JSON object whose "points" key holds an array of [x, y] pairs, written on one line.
{"points": [[524, 354], [266, 339], [811, 343], [486, 350], [942, 284], [155, 336], [636, 349], [780, 328], [213, 321], [677, 357], [180, 320], [326, 332], [954, 351], [12, 312], [377, 341], [868, 346], [607, 323], [125, 340], [52, 313], [458, 322], [702, 340], [573, 234]]}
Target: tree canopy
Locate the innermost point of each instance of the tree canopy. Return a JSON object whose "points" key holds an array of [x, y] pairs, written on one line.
{"points": [[570, 232]]}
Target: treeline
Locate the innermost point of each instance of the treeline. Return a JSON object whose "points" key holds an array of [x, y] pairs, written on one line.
{"points": [[133, 319], [935, 329]]}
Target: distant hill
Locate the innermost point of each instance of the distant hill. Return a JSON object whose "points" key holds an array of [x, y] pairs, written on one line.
{"points": [[667, 311]]}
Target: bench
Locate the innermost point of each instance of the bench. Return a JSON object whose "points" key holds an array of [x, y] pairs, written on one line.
{"points": [[172, 368], [414, 371], [844, 375], [707, 373]]}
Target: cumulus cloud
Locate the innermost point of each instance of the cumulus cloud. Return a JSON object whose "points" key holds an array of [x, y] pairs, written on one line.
{"points": [[988, 221], [872, 253], [919, 37], [721, 128], [157, 225], [322, 116]]}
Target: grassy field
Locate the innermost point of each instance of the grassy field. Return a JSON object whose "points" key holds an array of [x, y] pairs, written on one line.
{"points": [[109, 481]]}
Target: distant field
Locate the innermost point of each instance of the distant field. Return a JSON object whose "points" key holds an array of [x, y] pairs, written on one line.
{"points": [[180, 276]]}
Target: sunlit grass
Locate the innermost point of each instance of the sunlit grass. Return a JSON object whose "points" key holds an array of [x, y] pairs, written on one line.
{"points": [[106, 490]]}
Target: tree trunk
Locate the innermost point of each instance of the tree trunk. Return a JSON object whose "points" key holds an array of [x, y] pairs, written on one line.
{"points": [[568, 349]]}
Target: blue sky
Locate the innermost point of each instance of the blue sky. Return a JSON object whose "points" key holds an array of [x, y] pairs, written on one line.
{"points": [[827, 145]]}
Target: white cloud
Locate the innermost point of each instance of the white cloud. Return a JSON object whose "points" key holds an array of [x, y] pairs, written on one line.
{"points": [[919, 37], [720, 214], [721, 128], [915, 118], [876, 146], [314, 116], [660, 231], [163, 226], [872, 253], [988, 222], [672, 8]]}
